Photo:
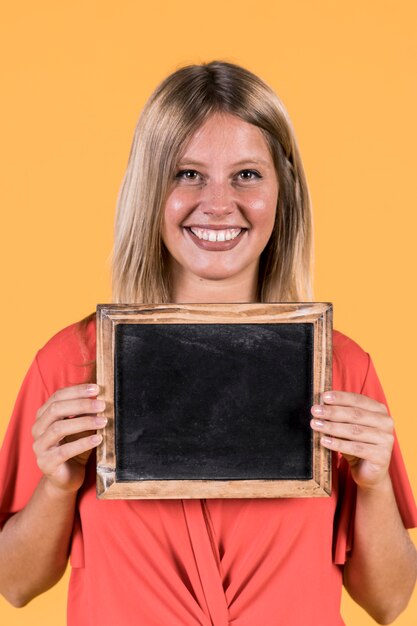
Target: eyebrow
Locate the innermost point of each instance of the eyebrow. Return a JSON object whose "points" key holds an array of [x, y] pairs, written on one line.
{"points": [[241, 162]]}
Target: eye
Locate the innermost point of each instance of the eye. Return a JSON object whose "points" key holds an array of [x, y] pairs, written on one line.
{"points": [[253, 174], [183, 174]]}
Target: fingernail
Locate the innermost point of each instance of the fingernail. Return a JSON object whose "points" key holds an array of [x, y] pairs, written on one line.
{"points": [[328, 396], [318, 423], [101, 421], [92, 389], [317, 409], [99, 405], [96, 438], [326, 441]]}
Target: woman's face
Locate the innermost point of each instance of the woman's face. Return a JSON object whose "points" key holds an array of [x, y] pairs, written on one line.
{"points": [[220, 211]]}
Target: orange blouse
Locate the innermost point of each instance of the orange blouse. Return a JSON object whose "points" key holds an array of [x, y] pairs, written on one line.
{"points": [[220, 562]]}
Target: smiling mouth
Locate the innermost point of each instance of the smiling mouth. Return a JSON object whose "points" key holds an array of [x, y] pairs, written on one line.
{"points": [[215, 239], [209, 234]]}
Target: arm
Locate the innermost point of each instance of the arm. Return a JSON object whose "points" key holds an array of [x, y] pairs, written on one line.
{"points": [[381, 572], [382, 546], [34, 543]]}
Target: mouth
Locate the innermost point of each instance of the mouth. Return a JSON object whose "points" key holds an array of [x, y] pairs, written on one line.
{"points": [[215, 238]]}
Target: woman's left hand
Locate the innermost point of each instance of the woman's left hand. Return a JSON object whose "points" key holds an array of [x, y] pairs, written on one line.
{"points": [[361, 429]]}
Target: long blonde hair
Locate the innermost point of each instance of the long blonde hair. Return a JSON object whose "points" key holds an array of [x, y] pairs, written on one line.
{"points": [[177, 108]]}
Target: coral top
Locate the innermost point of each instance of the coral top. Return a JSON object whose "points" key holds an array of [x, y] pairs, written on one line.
{"points": [[218, 562]]}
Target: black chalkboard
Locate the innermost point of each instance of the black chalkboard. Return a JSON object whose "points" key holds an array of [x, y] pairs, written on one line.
{"points": [[213, 401]]}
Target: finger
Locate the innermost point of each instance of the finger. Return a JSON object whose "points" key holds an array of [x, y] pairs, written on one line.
{"points": [[61, 429], [61, 409], [87, 390], [353, 415], [353, 432], [348, 398], [378, 455], [52, 459]]}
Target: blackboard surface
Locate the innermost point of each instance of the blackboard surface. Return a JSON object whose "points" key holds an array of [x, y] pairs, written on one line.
{"points": [[213, 401]]}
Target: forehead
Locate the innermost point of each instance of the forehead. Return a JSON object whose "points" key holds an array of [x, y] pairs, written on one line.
{"points": [[226, 133]]}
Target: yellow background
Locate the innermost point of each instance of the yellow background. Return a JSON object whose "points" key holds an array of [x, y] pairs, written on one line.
{"points": [[75, 75]]}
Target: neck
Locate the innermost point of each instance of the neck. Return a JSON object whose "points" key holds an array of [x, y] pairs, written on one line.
{"points": [[200, 290]]}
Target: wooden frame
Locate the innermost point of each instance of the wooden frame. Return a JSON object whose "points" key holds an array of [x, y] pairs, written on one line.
{"points": [[109, 317]]}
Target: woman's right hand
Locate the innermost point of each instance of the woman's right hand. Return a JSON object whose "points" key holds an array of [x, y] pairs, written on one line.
{"points": [[64, 434]]}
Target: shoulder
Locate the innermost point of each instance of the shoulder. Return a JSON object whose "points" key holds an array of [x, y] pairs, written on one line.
{"points": [[68, 357], [346, 348], [350, 363], [68, 339]]}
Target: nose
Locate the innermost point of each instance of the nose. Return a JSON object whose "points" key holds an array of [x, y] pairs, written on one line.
{"points": [[218, 199]]}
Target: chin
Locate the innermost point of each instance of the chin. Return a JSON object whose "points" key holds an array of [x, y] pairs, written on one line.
{"points": [[216, 274]]}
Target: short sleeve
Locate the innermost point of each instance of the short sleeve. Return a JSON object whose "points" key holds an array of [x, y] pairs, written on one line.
{"points": [[68, 358], [346, 487], [19, 472]]}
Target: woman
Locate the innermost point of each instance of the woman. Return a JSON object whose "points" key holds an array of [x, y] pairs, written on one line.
{"points": [[214, 207]]}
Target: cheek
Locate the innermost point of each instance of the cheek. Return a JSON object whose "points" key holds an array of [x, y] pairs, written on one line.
{"points": [[175, 210], [175, 205], [262, 211]]}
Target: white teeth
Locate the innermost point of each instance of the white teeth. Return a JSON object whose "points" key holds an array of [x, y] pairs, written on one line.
{"points": [[216, 235]]}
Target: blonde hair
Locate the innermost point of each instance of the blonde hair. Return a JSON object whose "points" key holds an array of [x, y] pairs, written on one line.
{"points": [[176, 109]]}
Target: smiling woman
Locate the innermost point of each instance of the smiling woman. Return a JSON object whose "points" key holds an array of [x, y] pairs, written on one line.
{"points": [[209, 149], [214, 207]]}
